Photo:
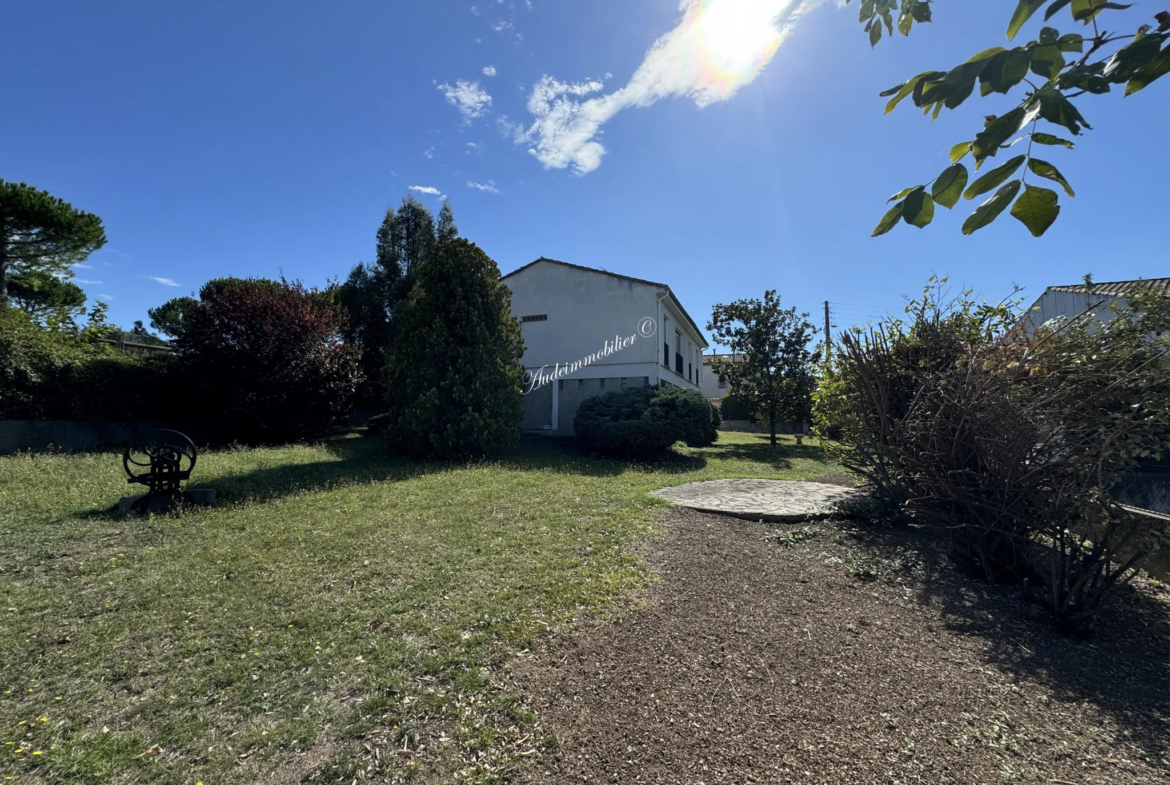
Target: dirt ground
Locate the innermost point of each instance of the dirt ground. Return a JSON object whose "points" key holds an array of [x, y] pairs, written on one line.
{"points": [[827, 654]]}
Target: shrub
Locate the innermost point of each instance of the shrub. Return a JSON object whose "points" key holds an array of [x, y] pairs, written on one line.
{"points": [[454, 378], [1011, 444], [266, 357], [644, 422], [736, 409]]}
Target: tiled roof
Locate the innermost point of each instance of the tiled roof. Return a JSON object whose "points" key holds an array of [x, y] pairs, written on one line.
{"points": [[1160, 286]]}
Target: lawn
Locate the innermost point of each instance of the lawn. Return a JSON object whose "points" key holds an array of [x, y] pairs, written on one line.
{"points": [[341, 614]]}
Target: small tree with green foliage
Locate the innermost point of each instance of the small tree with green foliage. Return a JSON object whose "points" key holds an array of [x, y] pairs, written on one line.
{"points": [[454, 378], [1056, 68], [775, 376], [40, 233]]}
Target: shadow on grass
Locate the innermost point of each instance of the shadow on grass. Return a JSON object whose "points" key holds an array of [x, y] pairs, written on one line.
{"points": [[760, 450], [360, 459], [1122, 669]]}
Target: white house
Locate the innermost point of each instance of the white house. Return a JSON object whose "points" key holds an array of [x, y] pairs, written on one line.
{"points": [[1073, 300], [713, 385], [588, 332]]}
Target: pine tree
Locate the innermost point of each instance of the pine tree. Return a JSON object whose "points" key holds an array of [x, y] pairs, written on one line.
{"points": [[454, 376], [446, 229]]}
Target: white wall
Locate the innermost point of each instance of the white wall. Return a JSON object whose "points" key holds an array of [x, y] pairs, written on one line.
{"points": [[1053, 304], [709, 383]]}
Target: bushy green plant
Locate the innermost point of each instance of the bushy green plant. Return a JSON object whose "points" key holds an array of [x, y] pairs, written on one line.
{"points": [[644, 422], [454, 379], [735, 408]]}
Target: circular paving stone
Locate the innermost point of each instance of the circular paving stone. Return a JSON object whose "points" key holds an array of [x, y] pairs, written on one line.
{"points": [[779, 501]]}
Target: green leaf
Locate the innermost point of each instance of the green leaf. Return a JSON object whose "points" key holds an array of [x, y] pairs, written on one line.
{"points": [[905, 22], [1054, 8], [1073, 42], [986, 54], [990, 210], [1057, 109], [875, 34], [1047, 61], [889, 220], [1152, 70], [959, 151], [903, 193], [866, 11], [920, 11], [918, 209], [1042, 138], [1049, 35], [899, 92], [1023, 13], [948, 187], [1087, 10], [994, 178], [997, 132], [1050, 172], [1036, 209]]}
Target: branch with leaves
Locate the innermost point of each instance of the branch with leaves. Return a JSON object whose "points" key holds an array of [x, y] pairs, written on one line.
{"points": [[1056, 68]]}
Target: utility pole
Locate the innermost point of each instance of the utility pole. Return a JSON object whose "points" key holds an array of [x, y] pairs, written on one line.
{"points": [[828, 335]]}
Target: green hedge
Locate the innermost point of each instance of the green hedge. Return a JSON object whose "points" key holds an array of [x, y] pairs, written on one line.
{"points": [[735, 409], [644, 422]]}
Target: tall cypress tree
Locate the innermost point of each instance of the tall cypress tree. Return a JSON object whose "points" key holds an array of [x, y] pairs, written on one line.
{"points": [[454, 376], [446, 228]]}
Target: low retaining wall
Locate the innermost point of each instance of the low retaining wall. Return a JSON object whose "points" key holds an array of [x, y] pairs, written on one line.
{"points": [[66, 435], [745, 426]]}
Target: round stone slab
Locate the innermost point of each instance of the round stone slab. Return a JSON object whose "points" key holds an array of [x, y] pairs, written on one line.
{"points": [[777, 501]]}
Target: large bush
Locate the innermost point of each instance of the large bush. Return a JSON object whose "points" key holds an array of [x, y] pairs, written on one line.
{"points": [[736, 409], [454, 378], [1010, 443], [644, 422], [266, 357]]}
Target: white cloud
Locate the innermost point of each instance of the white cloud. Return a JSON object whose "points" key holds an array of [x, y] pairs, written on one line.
{"points": [[475, 10], [489, 186], [529, 4], [467, 98], [427, 189], [501, 26], [718, 47], [82, 280], [163, 281], [474, 145], [83, 266], [430, 153], [489, 70], [106, 296]]}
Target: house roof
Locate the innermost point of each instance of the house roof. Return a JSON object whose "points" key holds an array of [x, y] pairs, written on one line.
{"points": [[674, 298], [1159, 286], [734, 357]]}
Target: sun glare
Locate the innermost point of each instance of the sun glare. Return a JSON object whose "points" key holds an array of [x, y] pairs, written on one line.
{"points": [[736, 38]]}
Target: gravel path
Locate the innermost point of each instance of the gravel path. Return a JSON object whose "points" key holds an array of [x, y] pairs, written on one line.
{"points": [[775, 501], [818, 654]]}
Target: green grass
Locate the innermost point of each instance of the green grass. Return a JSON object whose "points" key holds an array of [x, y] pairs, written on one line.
{"points": [[339, 606]]}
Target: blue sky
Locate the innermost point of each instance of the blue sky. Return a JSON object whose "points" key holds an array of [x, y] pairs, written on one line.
{"points": [[259, 138]]}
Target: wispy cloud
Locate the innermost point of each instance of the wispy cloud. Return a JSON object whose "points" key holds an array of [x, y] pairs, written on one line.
{"points": [[489, 70], [163, 281], [474, 145], [83, 280], [427, 189], [502, 26], [475, 10], [718, 47], [489, 186], [83, 266], [467, 97], [106, 296]]}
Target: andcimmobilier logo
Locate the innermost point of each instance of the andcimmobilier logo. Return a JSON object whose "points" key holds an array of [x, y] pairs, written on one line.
{"points": [[647, 326]]}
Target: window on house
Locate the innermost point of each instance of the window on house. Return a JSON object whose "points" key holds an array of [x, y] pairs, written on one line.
{"points": [[689, 372], [540, 317], [580, 384], [560, 384], [623, 382], [666, 353], [602, 383], [722, 382]]}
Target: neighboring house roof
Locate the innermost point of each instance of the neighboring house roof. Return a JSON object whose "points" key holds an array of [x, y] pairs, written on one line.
{"points": [[1159, 286], [679, 305], [735, 358]]}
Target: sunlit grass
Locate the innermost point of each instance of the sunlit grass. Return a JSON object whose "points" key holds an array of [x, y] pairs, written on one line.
{"points": [[338, 606]]}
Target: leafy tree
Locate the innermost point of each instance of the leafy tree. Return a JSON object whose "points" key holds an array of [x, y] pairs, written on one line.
{"points": [[168, 317], [1056, 67], [41, 233], [371, 293], [267, 356], [775, 375], [41, 294], [454, 375]]}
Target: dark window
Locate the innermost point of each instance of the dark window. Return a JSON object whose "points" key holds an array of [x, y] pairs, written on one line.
{"points": [[560, 384], [666, 353], [645, 381], [678, 363], [580, 384], [722, 382], [689, 370], [540, 317], [623, 382], [602, 383]]}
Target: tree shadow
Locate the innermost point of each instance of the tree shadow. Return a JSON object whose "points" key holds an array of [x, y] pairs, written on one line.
{"points": [[1121, 669], [359, 458], [760, 450]]}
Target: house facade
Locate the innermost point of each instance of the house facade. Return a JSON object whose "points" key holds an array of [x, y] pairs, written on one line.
{"points": [[712, 385], [1074, 300], [589, 332]]}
